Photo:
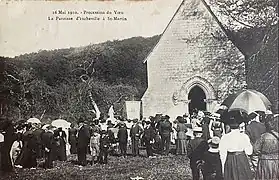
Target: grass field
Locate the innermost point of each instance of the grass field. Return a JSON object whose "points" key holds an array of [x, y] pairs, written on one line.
{"points": [[161, 167]]}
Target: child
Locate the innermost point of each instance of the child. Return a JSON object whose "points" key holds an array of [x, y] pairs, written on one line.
{"points": [[95, 146], [212, 168], [104, 147]]}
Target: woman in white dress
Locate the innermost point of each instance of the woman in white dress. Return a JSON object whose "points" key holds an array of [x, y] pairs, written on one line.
{"points": [[234, 148]]}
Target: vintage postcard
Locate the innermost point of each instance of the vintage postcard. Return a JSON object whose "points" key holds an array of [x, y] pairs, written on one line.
{"points": [[139, 89]]}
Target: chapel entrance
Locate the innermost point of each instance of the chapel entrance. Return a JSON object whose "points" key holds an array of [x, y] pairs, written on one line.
{"points": [[196, 97]]}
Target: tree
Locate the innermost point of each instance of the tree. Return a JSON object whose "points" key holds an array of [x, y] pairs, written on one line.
{"points": [[253, 27]]}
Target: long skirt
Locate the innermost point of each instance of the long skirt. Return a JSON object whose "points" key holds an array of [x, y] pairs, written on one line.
{"points": [[181, 147], [237, 167], [268, 167]]}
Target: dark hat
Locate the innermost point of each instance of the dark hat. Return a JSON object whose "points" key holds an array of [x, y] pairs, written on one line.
{"points": [[252, 115], [166, 117]]}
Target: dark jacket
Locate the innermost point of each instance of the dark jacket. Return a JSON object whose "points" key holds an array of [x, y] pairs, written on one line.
{"points": [[212, 168], [104, 142], [254, 130], [72, 136], [60, 135], [135, 131], [48, 140], [149, 133], [165, 128], [9, 138], [205, 131], [83, 136], [195, 150], [122, 135]]}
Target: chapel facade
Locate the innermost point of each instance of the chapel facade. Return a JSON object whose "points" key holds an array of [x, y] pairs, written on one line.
{"points": [[193, 65]]}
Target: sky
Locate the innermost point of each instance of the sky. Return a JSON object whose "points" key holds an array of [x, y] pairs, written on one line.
{"points": [[25, 28]]}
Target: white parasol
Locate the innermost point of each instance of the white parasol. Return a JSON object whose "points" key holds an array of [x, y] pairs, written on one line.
{"points": [[61, 123], [34, 120]]}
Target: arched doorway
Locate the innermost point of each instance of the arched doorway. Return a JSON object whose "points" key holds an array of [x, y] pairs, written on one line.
{"points": [[196, 97]]}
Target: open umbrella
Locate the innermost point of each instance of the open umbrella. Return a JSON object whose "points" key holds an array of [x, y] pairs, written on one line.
{"points": [[247, 101], [34, 120], [263, 98], [61, 123]]}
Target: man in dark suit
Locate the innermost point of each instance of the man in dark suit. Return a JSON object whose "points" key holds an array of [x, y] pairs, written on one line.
{"points": [[148, 136], [49, 145], [165, 129], [38, 133], [135, 133], [83, 140], [104, 147], [73, 139], [122, 136], [254, 130]]}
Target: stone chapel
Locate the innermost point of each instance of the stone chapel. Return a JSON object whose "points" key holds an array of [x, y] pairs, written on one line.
{"points": [[193, 65]]}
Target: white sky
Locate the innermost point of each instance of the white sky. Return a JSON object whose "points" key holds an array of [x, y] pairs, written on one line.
{"points": [[24, 27]]}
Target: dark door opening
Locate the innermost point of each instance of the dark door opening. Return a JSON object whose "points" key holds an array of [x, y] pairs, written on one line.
{"points": [[197, 96]]}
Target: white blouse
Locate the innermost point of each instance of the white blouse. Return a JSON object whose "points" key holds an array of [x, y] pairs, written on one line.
{"points": [[234, 141]]}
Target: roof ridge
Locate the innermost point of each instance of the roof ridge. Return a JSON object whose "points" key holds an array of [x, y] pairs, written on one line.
{"points": [[164, 30], [211, 13]]}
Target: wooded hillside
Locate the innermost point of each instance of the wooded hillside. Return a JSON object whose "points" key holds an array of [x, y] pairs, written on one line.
{"points": [[58, 83]]}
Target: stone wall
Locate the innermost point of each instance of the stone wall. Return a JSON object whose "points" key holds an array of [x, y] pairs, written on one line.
{"points": [[193, 45]]}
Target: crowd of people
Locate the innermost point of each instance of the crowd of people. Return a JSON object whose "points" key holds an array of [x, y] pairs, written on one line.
{"points": [[237, 149], [248, 149]]}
